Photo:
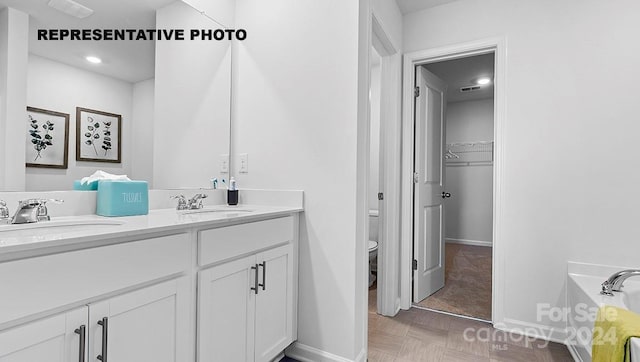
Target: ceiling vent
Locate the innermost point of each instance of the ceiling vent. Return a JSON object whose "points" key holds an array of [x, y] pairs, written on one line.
{"points": [[71, 7], [470, 88]]}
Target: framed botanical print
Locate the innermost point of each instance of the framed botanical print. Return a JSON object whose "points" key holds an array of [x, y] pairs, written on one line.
{"points": [[47, 135], [98, 136]]}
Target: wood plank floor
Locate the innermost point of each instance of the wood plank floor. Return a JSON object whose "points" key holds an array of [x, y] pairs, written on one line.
{"points": [[419, 335], [467, 288]]}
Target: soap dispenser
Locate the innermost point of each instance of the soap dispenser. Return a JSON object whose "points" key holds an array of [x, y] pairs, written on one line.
{"points": [[232, 192]]}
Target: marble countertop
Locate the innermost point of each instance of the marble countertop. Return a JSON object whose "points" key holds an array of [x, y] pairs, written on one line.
{"points": [[69, 231]]}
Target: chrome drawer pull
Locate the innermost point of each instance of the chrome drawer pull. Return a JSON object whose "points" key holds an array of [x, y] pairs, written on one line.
{"points": [[264, 275], [255, 279], [105, 329], [82, 332]]}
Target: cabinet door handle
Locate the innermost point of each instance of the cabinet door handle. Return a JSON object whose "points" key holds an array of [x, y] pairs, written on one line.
{"points": [[264, 275], [255, 279], [82, 330], [104, 322]]}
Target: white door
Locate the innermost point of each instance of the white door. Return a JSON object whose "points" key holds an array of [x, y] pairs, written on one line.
{"points": [[53, 339], [274, 303], [226, 305], [428, 213], [143, 325]]}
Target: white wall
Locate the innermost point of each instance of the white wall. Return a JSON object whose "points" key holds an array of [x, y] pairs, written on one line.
{"points": [[192, 103], [469, 212], [295, 114], [14, 33], [571, 112], [470, 121], [221, 11], [62, 88], [388, 14], [142, 128]]}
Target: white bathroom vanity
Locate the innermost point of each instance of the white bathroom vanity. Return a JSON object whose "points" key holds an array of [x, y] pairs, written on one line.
{"points": [[219, 284]]}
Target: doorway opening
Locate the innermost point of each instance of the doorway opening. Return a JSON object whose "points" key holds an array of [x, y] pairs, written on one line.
{"points": [[412, 269], [453, 195], [375, 170], [384, 130]]}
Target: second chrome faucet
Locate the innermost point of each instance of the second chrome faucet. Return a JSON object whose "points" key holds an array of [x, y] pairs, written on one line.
{"points": [[614, 283], [193, 203]]}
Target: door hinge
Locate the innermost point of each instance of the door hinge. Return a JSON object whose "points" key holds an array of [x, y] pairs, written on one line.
{"points": [[380, 196], [415, 178], [415, 264], [416, 92]]}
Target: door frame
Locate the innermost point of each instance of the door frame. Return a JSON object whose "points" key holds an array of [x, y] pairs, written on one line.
{"points": [[411, 60], [388, 301]]}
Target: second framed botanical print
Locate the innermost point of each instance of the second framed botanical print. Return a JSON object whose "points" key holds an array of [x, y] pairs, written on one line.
{"points": [[98, 136]]}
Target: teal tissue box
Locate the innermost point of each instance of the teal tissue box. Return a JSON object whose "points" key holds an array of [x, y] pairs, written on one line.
{"points": [[122, 198], [91, 186]]}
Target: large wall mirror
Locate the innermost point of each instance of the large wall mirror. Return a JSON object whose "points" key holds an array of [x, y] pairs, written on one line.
{"points": [[173, 96]]}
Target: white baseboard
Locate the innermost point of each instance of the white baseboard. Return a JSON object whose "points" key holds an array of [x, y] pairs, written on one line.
{"points": [[305, 353], [534, 330], [362, 356], [469, 242]]}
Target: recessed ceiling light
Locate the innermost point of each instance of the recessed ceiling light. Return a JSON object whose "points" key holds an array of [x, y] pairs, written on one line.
{"points": [[94, 60], [483, 81]]}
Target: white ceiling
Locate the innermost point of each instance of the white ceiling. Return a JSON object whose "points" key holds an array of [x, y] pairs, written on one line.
{"points": [[131, 61], [408, 6], [462, 72]]}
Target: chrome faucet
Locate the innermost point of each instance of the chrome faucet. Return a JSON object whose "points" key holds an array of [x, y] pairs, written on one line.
{"points": [[614, 283], [193, 203], [196, 201], [182, 202], [4, 213], [32, 210]]}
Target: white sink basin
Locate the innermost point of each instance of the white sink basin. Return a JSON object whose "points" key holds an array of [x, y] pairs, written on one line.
{"points": [[55, 227]]}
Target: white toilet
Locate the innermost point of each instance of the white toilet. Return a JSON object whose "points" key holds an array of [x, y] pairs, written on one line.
{"points": [[373, 253], [373, 244]]}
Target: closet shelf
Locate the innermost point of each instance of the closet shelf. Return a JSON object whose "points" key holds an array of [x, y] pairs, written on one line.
{"points": [[469, 153], [470, 163]]}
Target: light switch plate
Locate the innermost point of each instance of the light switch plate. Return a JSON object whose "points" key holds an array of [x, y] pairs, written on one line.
{"points": [[224, 163], [243, 165]]}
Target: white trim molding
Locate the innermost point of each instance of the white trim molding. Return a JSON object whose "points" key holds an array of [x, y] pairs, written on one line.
{"points": [[469, 242], [533, 330], [305, 353], [390, 153], [361, 301], [498, 46]]}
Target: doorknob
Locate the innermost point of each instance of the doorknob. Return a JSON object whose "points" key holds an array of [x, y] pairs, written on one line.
{"points": [[446, 194]]}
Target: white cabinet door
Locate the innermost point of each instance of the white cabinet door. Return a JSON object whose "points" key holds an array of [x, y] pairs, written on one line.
{"points": [[274, 303], [226, 306], [52, 339], [149, 324]]}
